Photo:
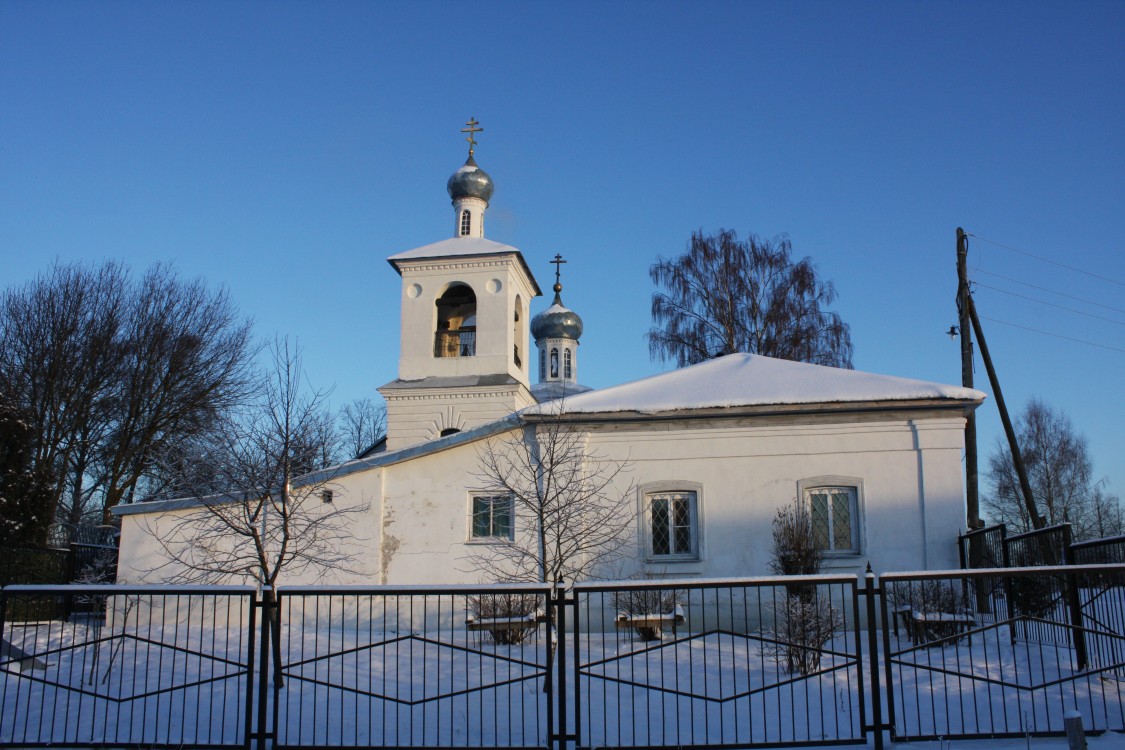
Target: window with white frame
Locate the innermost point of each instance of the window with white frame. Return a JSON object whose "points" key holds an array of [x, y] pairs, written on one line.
{"points": [[673, 525], [835, 515], [465, 222], [491, 517]]}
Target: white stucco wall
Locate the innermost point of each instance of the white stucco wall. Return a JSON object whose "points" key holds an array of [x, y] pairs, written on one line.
{"points": [[147, 528], [416, 526]]}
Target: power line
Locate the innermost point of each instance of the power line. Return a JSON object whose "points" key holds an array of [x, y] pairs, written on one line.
{"points": [[978, 269], [1050, 304], [1055, 335], [1048, 260]]}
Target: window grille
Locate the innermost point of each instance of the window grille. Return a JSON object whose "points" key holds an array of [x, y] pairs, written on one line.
{"points": [[834, 516], [673, 525], [492, 517]]}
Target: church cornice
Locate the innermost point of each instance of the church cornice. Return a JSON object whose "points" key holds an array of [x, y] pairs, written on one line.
{"points": [[430, 265], [428, 394]]}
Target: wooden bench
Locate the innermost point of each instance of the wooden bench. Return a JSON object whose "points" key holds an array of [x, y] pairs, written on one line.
{"points": [[507, 630], [651, 626], [927, 627], [902, 614]]}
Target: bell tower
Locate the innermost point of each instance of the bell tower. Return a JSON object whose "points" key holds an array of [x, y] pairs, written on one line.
{"points": [[463, 354]]}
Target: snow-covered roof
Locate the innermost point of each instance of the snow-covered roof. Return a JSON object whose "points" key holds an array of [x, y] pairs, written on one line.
{"points": [[753, 380], [457, 247]]}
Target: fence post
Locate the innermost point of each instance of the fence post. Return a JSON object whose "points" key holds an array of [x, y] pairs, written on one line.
{"points": [[263, 671], [873, 649], [558, 594], [1078, 635], [251, 635], [577, 668], [72, 563]]}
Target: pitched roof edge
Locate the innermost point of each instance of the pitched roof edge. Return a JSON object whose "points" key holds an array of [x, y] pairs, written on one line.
{"points": [[338, 471]]}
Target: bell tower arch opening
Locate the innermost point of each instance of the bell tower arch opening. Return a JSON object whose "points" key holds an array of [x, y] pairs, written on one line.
{"points": [[456, 329], [517, 334]]}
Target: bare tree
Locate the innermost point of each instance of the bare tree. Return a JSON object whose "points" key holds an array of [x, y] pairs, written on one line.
{"points": [[1059, 469], [724, 295], [554, 509], [363, 423], [111, 372], [278, 513], [570, 507], [57, 365], [183, 360], [1104, 517]]}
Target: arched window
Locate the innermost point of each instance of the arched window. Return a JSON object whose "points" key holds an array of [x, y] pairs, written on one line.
{"points": [[554, 363], [456, 334], [542, 364], [465, 222], [566, 364], [449, 431]]}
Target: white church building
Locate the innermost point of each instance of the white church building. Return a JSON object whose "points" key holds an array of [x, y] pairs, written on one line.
{"points": [[710, 452]]}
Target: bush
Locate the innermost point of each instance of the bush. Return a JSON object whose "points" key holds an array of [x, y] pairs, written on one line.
{"points": [[806, 623]]}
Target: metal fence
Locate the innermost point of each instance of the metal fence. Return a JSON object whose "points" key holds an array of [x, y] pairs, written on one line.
{"points": [[720, 663], [1049, 642], [1098, 551], [790, 661], [159, 667], [983, 548], [1046, 546], [397, 667], [76, 563]]}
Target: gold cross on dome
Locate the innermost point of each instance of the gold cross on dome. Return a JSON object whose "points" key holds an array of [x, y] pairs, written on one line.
{"points": [[558, 261], [472, 130]]}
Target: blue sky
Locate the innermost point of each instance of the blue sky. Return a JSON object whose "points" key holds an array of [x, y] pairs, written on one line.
{"points": [[284, 150]]}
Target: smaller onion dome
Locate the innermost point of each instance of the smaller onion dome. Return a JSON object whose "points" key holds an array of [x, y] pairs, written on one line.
{"points": [[470, 181], [557, 321]]}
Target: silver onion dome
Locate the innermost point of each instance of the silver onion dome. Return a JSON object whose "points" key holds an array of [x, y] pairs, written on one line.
{"points": [[557, 321], [470, 181]]}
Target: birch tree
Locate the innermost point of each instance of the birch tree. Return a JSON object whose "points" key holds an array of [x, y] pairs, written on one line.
{"points": [[726, 295]]}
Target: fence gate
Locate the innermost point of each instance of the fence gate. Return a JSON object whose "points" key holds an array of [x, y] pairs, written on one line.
{"points": [[414, 666], [1047, 641], [737, 663], [112, 666]]}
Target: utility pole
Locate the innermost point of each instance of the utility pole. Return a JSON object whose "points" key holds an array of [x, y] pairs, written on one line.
{"points": [[968, 322], [972, 492]]}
